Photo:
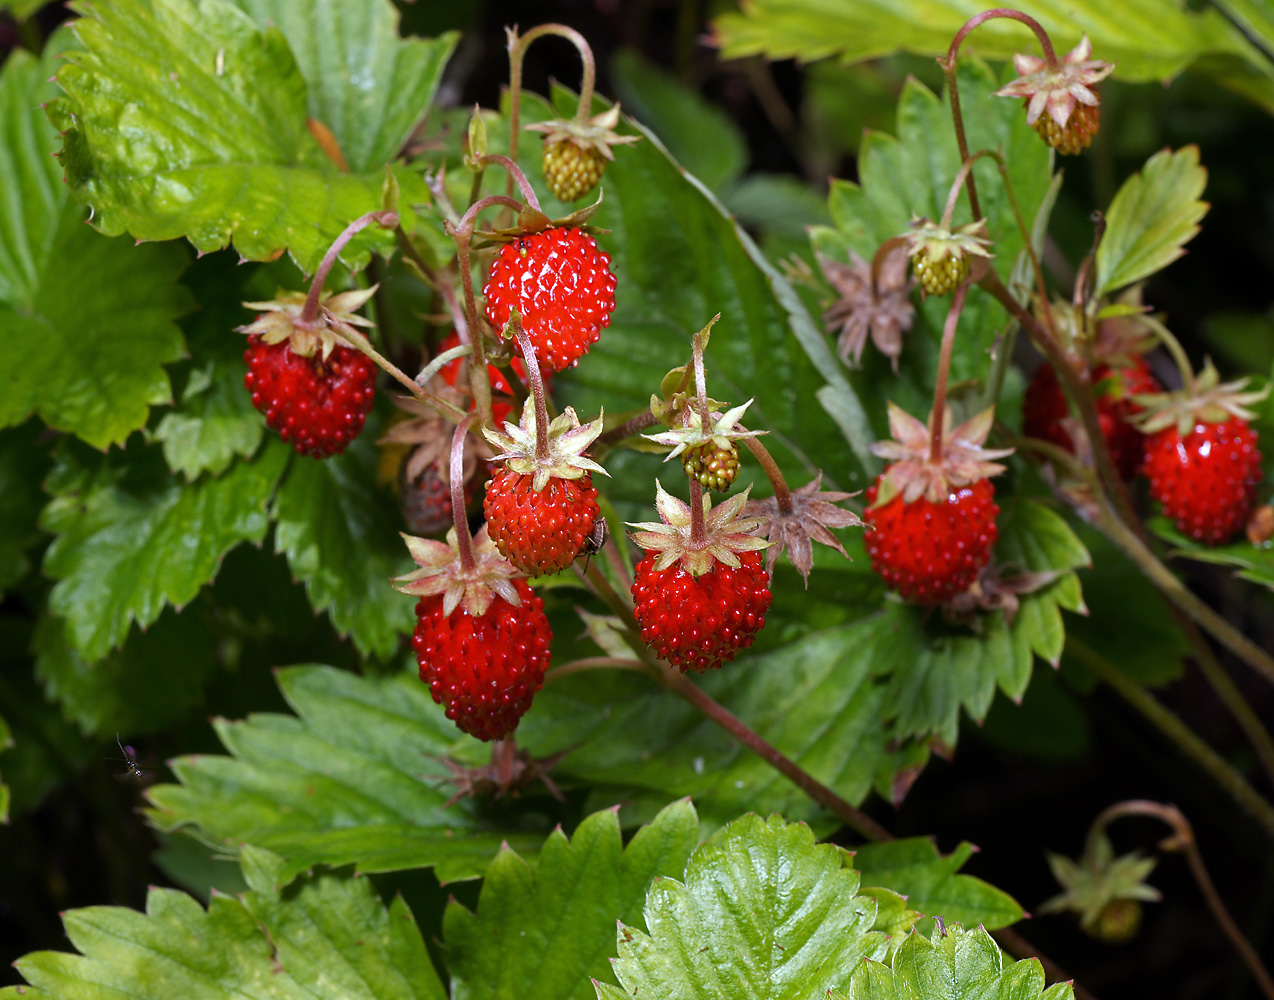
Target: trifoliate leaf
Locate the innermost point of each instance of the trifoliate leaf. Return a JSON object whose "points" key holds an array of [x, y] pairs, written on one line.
{"points": [[957, 964], [543, 928], [131, 539], [931, 884], [354, 779], [183, 118], [762, 911], [330, 939], [367, 85], [86, 323], [339, 537], [1153, 215], [23, 465]]}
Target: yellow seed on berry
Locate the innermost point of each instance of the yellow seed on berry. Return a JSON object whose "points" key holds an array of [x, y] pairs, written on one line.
{"points": [[716, 468], [942, 276], [1078, 133], [572, 171]]}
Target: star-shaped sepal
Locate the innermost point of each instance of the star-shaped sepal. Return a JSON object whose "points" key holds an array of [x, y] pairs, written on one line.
{"points": [[726, 533], [1206, 399], [597, 134], [281, 319], [1057, 90], [813, 512], [567, 442], [962, 459], [721, 430], [442, 571], [1105, 892]]}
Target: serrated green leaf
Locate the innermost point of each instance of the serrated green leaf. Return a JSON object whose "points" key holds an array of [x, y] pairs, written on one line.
{"points": [[957, 964], [367, 85], [542, 929], [86, 324], [763, 911], [182, 118], [355, 778], [22, 467], [1154, 214], [132, 540], [930, 883], [157, 677], [1250, 562], [330, 939], [339, 536], [1147, 39]]}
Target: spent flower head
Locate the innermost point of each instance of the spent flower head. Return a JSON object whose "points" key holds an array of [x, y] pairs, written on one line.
{"points": [[806, 520], [881, 310], [1065, 91]]}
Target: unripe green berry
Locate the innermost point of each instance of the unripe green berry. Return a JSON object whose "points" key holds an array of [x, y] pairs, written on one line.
{"points": [[716, 468], [942, 276], [572, 171]]}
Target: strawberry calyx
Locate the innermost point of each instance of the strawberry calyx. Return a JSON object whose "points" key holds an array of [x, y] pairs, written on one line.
{"points": [[721, 430], [1203, 399], [962, 459], [725, 533], [563, 455], [598, 133], [941, 257], [428, 435], [443, 571], [282, 318], [1059, 87]]}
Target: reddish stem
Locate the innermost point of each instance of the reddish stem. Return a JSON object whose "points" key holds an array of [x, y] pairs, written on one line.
{"points": [[464, 540], [384, 217], [515, 172], [977, 20], [936, 416], [782, 493], [698, 530], [537, 389]]}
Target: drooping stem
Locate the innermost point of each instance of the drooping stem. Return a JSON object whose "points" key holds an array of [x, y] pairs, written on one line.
{"points": [[937, 414], [953, 193], [977, 20], [1177, 732], [1179, 357], [515, 172], [957, 119], [537, 388], [464, 540], [782, 493], [360, 343], [384, 217], [1183, 840]]}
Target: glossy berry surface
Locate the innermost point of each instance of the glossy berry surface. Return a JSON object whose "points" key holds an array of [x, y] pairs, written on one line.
{"points": [[1044, 408], [561, 285], [484, 671], [316, 405], [1078, 134], [940, 277], [570, 170], [1207, 480], [929, 552], [698, 623], [540, 532]]}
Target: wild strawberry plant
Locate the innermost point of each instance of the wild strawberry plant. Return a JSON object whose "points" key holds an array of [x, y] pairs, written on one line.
{"points": [[482, 346]]}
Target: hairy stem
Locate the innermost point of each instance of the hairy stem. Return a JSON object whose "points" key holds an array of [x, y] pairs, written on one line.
{"points": [[516, 174], [631, 426], [537, 389], [385, 217], [782, 494], [937, 414], [594, 663], [464, 540]]}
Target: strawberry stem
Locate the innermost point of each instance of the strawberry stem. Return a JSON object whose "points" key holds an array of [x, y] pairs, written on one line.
{"points": [[978, 20], [965, 171], [937, 414], [516, 174], [388, 219], [537, 388], [1182, 361], [782, 493], [459, 516]]}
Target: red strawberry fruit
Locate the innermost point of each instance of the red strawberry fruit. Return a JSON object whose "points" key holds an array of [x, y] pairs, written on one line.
{"points": [[700, 602], [482, 638], [561, 285], [541, 503], [934, 517], [1201, 455]]}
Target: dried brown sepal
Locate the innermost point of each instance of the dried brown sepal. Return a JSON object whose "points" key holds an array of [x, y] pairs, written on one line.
{"points": [[511, 770], [813, 513], [428, 436], [1260, 526], [882, 312], [997, 588]]}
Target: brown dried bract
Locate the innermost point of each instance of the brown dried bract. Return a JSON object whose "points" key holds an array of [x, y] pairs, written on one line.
{"points": [[812, 514], [884, 312]]}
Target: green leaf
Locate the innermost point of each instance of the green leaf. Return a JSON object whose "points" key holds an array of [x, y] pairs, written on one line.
{"points": [[367, 85], [931, 884], [1251, 562], [6, 741], [698, 134], [182, 118], [86, 324], [339, 536], [911, 175], [542, 929], [1147, 39], [956, 965], [331, 938], [763, 911], [1153, 215], [22, 9], [23, 466], [157, 677], [355, 778], [131, 540]]}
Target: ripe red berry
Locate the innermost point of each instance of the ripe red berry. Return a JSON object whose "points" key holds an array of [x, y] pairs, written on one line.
{"points": [[701, 622], [1044, 409], [1207, 479], [317, 405], [929, 552], [484, 670], [540, 532], [562, 287]]}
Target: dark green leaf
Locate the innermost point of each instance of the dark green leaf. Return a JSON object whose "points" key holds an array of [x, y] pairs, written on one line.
{"points": [[332, 939], [86, 324], [185, 119], [931, 884], [6, 741], [763, 912], [356, 778], [1153, 215], [131, 540], [339, 536], [22, 467], [543, 928]]}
